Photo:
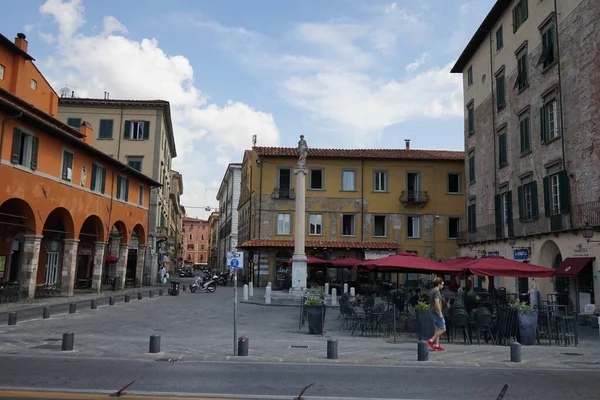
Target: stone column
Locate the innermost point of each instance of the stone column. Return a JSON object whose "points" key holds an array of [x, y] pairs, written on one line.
{"points": [[139, 267], [299, 259], [122, 264], [69, 265], [31, 257], [98, 266]]}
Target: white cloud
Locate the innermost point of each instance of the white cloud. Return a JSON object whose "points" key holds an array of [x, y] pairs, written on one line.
{"points": [[418, 62], [129, 69]]}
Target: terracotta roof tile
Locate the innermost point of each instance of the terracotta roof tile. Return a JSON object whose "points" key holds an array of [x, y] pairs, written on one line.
{"points": [[318, 243], [416, 154]]}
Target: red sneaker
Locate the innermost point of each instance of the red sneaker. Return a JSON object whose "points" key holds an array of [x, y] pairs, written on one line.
{"points": [[430, 343], [439, 348]]}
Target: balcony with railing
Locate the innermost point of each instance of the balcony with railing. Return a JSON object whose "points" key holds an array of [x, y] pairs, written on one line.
{"points": [[283, 193], [414, 197]]}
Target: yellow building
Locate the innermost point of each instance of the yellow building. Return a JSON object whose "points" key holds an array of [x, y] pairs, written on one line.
{"points": [[360, 203]]}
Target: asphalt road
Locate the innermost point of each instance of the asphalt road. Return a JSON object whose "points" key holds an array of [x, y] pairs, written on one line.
{"points": [[264, 380]]}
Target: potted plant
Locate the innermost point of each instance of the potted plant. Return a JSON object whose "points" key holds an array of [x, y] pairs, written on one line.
{"points": [[315, 310], [527, 323], [424, 320]]}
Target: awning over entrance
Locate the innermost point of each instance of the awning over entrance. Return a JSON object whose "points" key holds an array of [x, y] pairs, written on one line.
{"points": [[572, 266], [110, 258]]}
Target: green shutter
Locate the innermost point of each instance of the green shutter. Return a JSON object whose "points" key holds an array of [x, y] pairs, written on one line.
{"points": [[563, 182], [524, 10], [534, 200], [126, 189], [498, 214], [546, 197], [103, 180], [543, 123], [35, 144], [521, 199], [16, 147], [146, 130], [509, 215], [118, 187], [502, 156], [127, 130], [474, 214], [514, 15], [94, 172]]}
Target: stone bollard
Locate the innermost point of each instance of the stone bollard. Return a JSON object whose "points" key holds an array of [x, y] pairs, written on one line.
{"points": [[154, 344], [160, 292], [139, 295], [269, 284], [352, 292], [68, 341], [345, 288], [127, 298], [46, 313], [515, 352], [72, 308], [251, 289], [150, 294], [94, 304], [243, 345], [326, 289], [183, 287], [12, 318], [334, 297], [268, 295], [422, 351], [332, 349], [111, 301], [245, 291]]}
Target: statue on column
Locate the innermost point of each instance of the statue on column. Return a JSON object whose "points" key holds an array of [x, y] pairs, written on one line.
{"points": [[302, 152]]}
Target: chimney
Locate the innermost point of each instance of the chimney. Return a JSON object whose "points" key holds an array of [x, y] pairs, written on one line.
{"points": [[86, 129], [21, 42], [407, 141]]}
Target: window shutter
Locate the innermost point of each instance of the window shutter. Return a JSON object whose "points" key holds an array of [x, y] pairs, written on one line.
{"points": [[543, 123], [524, 10], [546, 196], [118, 187], [521, 199], [514, 16], [510, 213], [103, 180], [474, 215], [126, 189], [35, 144], [534, 200], [94, 172], [563, 181], [127, 131], [498, 214], [16, 146], [146, 130]]}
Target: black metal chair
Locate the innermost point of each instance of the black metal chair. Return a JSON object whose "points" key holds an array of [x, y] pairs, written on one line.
{"points": [[483, 324]]}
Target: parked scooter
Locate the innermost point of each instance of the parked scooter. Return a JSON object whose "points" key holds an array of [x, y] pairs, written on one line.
{"points": [[186, 272], [207, 285], [221, 278]]}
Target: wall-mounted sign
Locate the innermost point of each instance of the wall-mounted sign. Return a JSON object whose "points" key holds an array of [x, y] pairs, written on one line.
{"points": [[521, 254], [494, 253], [581, 251]]}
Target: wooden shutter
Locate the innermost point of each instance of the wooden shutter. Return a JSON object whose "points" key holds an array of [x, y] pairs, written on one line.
{"points": [[106, 128], [127, 130], [35, 144], [16, 147], [514, 16], [146, 130], [502, 156], [543, 133], [103, 180], [534, 200], [498, 215], [521, 199], [509, 215], [474, 217], [546, 197], [94, 172], [126, 189], [524, 10], [563, 187], [118, 187]]}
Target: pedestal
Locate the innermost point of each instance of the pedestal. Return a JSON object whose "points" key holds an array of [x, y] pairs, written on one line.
{"points": [[299, 273], [98, 266], [122, 264]]}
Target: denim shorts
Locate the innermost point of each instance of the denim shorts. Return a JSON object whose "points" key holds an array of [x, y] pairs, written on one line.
{"points": [[439, 322]]}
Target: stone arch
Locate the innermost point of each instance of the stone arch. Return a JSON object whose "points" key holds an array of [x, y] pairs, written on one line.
{"points": [[59, 225], [93, 227], [139, 231], [549, 253], [121, 228], [17, 216]]}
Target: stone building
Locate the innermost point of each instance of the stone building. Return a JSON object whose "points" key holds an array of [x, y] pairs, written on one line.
{"points": [[196, 232], [213, 240], [177, 212], [531, 93], [228, 197]]}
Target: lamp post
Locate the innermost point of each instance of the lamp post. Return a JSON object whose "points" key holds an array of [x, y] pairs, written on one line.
{"points": [[588, 233], [512, 241]]}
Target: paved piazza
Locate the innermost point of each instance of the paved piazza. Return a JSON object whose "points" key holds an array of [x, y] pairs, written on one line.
{"points": [[199, 326]]}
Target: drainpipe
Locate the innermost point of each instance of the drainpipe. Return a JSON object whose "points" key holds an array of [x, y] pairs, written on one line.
{"points": [[4, 121], [120, 133], [260, 190]]}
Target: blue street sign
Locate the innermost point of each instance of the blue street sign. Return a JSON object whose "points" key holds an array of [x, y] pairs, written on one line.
{"points": [[521, 254], [235, 259], [234, 263]]}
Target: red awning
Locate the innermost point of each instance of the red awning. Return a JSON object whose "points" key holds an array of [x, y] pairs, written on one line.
{"points": [[572, 266], [312, 261], [500, 266], [408, 262], [459, 261], [348, 262], [110, 258]]}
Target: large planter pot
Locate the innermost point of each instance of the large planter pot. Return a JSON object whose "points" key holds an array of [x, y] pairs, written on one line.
{"points": [[425, 327], [315, 316], [528, 327]]}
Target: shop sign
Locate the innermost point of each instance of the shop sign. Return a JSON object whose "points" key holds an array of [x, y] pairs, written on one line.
{"points": [[580, 251], [377, 254], [493, 253], [521, 254]]}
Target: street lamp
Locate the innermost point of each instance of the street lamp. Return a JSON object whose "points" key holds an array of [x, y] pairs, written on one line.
{"points": [[512, 241], [588, 233], [470, 246]]}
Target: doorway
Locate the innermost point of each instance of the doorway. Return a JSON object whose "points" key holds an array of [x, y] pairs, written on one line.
{"points": [[52, 266]]}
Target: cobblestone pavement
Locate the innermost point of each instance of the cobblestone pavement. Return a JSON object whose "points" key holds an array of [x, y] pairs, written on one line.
{"points": [[200, 327]]}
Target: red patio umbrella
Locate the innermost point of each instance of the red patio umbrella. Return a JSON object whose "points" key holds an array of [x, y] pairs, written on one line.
{"points": [[458, 261], [500, 266], [408, 262], [312, 261], [348, 262]]}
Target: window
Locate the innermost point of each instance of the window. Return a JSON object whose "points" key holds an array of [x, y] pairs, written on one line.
{"points": [[98, 181], [380, 225], [471, 118], [33, 84], [67, 166], [123, 188], [135, 162], [519, 14], [201, 247], [24, 149], [348, 179], [380, 181], [502, 148], [284, 224], [413, 227], [1, 72], [315, 224], [548, 47], [190, 246], [470, 76], [284, 183], [190, 237], [500, 91], [549, 121], [525, 132], [106, 129], [413, 185], [499, 39], [137, 130], [472, 166], [528, 201], [316, 179], [202, 237], [472, 218], [454, 183], [141, 195], [348, 225], [503, 214], [555, 194], [522, 70], [453, 227], [74, 122]]}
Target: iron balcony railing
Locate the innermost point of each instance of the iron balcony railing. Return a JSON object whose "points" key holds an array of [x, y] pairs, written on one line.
{"points": [[283, 193], [414, 197]]}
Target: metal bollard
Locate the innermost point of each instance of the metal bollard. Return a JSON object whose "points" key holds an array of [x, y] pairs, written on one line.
{"points": [[334, 297], [94, 304], [243, 346], [150, 294], [515, 352], [422, 351], [12, 318], [154, 344], [332, 349], [111, 301], [68, 341], [245, 291], [160, 292], [183, 287], [46, 313], [139, 295], [268, 295], [127, 298], [72, 308]]}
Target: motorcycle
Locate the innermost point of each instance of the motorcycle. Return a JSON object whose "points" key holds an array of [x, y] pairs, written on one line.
{"points": [[186, 272], [221, 278], [200, 284]]}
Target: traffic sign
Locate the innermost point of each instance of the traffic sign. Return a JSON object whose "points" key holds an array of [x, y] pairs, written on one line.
{"points": [[235, 259]]}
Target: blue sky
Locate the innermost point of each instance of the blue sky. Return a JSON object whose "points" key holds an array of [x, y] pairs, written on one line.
{"points": [[345, 73]]}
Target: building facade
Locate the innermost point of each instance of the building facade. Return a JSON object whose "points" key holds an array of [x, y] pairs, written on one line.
{"points": [[61, 199], [213, 240], [196, 233], [140, 134], [531, 101], [360, 203], [176, 246], [228, 197]]}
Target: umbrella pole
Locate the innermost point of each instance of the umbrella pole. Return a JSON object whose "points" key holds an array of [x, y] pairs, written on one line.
{"points": [[394, 302]]}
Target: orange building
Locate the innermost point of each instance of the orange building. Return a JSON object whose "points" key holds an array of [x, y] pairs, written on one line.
{"points": [[70, 216], [196, 233]]}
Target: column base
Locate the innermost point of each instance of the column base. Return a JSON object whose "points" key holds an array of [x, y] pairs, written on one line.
{"points": [[299, 262]]}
